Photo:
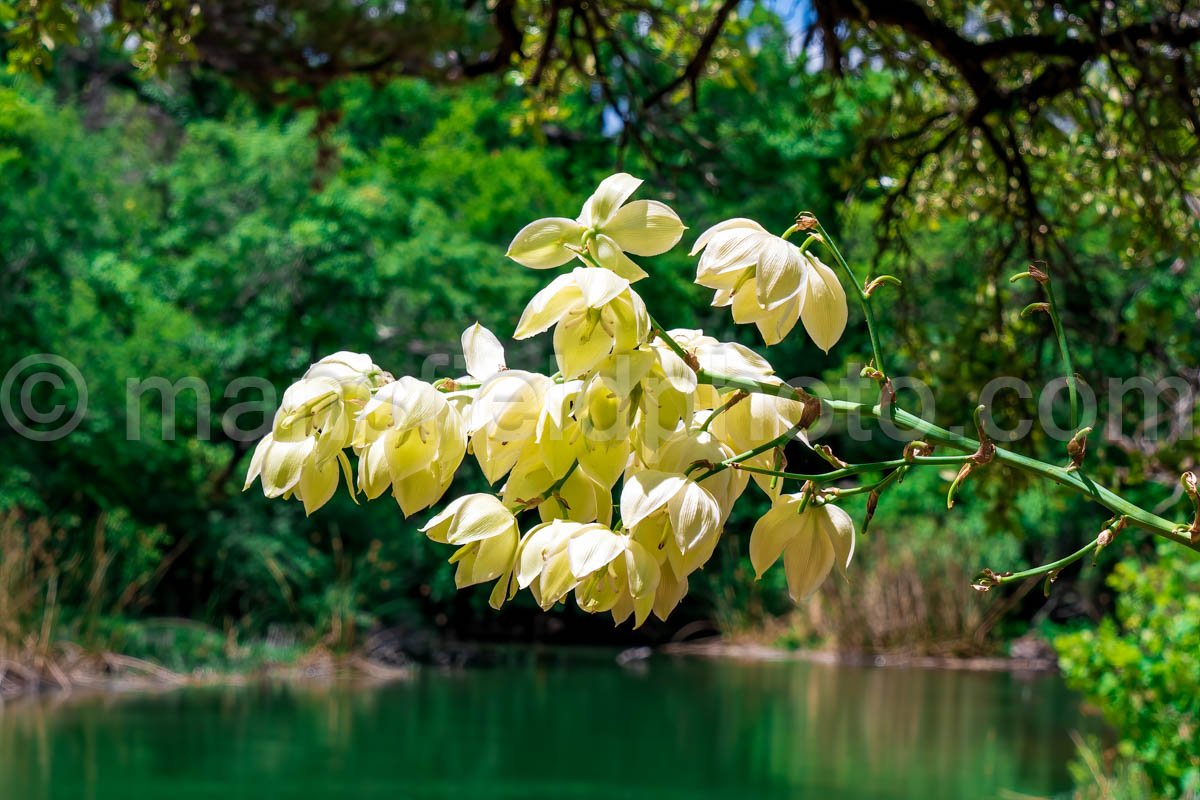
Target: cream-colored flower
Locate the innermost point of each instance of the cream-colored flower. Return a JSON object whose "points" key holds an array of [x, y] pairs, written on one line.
{"points": [[768, 281], [356, 373], [303, 454], [615, 573], [811, 542], [689, 447], [504, 418], [410, 438], [673, 516], [486, 532], [632, 398], [716, 357], [580, 498], [595, 314], [544, 562], [606, 230], [753, 421]]}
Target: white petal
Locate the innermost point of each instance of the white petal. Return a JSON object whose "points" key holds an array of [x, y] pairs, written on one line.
{"points": [[483, 352], [781, 269], [282, 463], [599, 286], [729, 224], [608, 254], [539, 245], [478, 516], [645, 228], [548, 306], [609, 195], [677, 373], [778, 322], [538, 544], [437, 527], [647, 492], [840, 528], [773, 532], [408, 402], [256, 460], [644, 575], [735, 360], [808, 558], [317, 484], [728, 255], [579, 346], [823, 311], [593, 549], [695, 516]]}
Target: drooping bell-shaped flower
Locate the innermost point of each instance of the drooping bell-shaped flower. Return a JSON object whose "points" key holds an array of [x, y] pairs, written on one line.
{"points": [[544, 562], [605, 231], [615, 573], [770, 282], [303, 454], [356, 373], [504, 418], [579, 497], [594, 313], [411, 439], [811, 542], [673, 516], [485, 531]]}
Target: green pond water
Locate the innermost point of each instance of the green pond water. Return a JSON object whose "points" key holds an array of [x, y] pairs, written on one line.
{"points": [[559, 726]]}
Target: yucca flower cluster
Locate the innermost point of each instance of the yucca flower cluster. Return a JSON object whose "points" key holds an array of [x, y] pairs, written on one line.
{"points": [[613, 478]]}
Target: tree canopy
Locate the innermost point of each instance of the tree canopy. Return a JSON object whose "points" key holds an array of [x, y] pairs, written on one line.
{"points": [[1041, 114]]}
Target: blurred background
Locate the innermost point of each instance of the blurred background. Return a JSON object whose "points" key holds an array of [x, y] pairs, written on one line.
{"points": [[216, 191]]}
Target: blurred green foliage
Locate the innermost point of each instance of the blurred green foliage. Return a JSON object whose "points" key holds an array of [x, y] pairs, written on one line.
{"points": [[176, 229], [1142, 668]]}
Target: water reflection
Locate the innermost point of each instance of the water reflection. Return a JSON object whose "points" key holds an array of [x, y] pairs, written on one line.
{"points": [[559, 726]]}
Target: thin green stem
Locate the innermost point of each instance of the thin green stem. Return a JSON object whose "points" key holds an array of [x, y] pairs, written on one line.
{"points": [[853, 469], [1064, 348], [782, 439], [1072, 480], [937, 435], [733, 400], [878, 485], [1045, 569], [553, 490], [863, 299], [670, 341]]}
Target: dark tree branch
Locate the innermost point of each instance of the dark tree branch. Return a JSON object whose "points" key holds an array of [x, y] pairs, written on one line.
{"points": [[695, 67]]}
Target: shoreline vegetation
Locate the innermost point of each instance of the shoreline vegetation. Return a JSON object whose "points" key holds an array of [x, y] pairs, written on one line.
{"points": [[74, 669]]}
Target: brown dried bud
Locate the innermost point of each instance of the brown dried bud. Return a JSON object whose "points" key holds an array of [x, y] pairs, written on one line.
{"points": [[963, 472], [806, 221], [988, 578], [1038, 272], [872, 504], [1077, 449], [887, 394], [987, 450], [826, 452], [917, 448], [811, 412]]}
